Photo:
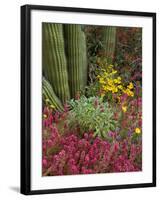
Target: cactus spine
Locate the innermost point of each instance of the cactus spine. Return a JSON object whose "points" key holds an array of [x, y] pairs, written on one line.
{"points": [[109, 41], [49, 95], [54, 59], [76, 57]]}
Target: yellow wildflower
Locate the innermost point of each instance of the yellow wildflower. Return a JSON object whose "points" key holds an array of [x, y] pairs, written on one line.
{"points": [[47, 100], [109, 88], [131, 93], [44, 116], [115, 80], [114, 71], [130, 86], [124, 108], [105, 74], [119, 99], [128, 92], [137, 130], [114, 89], [102, 95], [119, 79], [110, 66], [120, 87], [52, 106], [101, 80], [110, 81]]}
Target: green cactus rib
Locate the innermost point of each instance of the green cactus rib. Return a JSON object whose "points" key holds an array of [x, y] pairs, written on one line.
{"points": [[109, 42], [84, 60], [76, 57], [54, 60], [49, 95]]}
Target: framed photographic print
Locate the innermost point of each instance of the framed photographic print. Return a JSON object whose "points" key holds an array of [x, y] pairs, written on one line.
{"points": [[88, 99]]}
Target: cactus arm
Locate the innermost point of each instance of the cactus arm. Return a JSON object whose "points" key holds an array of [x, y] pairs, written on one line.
{"points": [[76, 57], [54, 59], [109, 41], [49, 95]]}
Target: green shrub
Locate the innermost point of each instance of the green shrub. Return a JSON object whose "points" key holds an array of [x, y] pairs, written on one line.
{"points": [[91, 114]]}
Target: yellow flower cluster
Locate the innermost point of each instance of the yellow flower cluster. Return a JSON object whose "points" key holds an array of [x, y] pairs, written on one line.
{"points": [[110, 83], [128, 90], [137, 130], [124, 108]]}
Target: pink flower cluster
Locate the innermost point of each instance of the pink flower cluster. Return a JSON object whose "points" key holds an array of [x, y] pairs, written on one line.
{"points": [[70, 154]]}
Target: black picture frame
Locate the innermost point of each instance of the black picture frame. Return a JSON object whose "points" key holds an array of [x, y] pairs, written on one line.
{"points": [[26, 99]]}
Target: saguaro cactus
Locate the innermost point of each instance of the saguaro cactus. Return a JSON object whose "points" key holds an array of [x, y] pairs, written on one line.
{"points": [[76, 57], [49, 95], [109, 41], [54, 59]]}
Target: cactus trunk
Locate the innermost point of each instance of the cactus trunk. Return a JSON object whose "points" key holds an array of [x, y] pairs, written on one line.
{"points": [[76, 58], [54, 60], [49, 95], [109, 41]]}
